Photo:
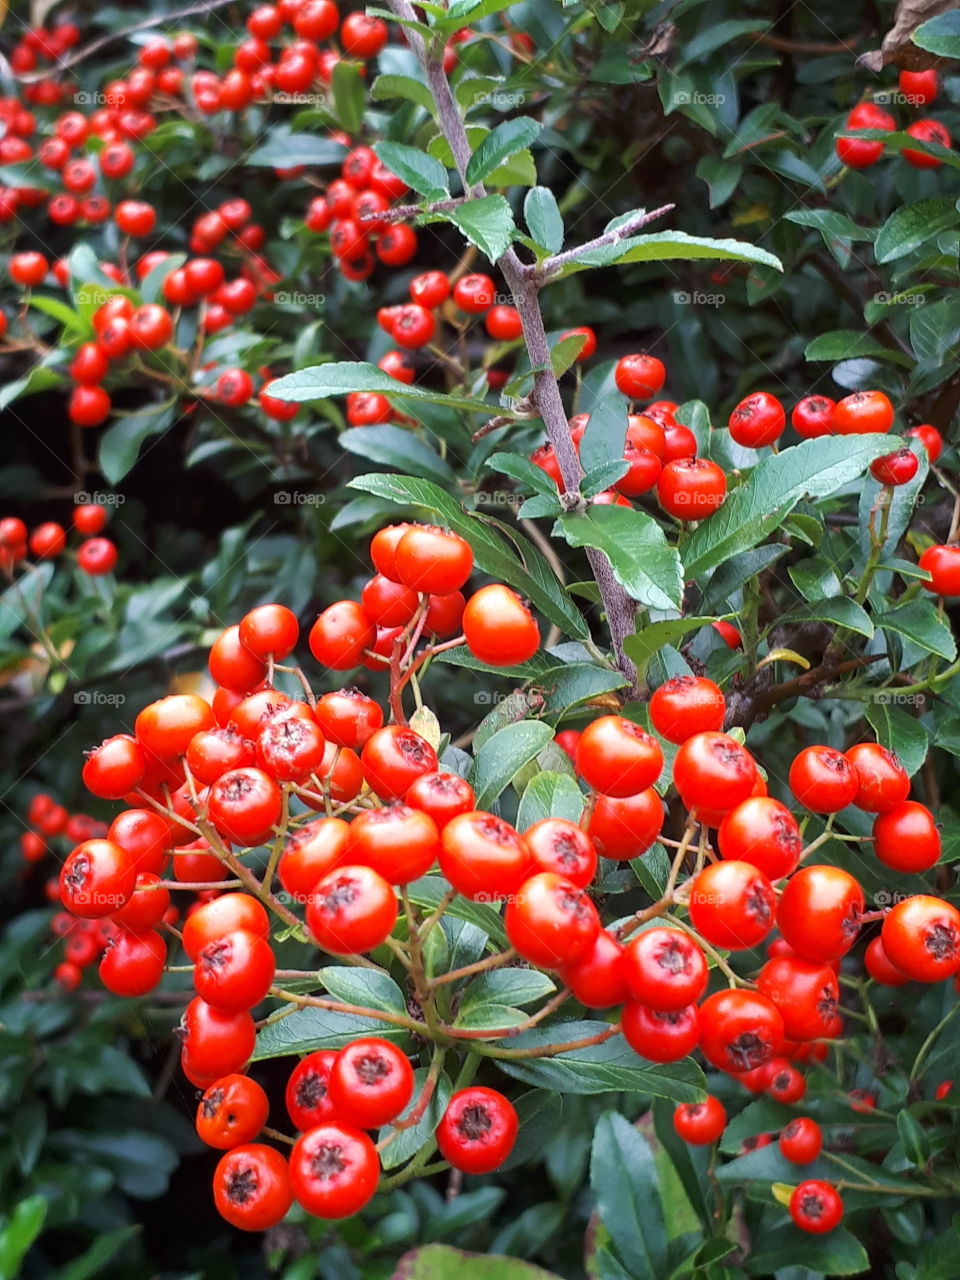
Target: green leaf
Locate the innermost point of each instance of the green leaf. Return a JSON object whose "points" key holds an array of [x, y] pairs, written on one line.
{"points": [[606, 432], [504, 141], [39, 378], [550, 795], [918, 621], [668, 246], [420, 171], [397, 447], [636, 546], [349, 95], [898, 731], [490, 552], [285, 150], [911, 225], [58, 310], [28, 1130], [573, 683], [411, 1140], [441, 1262], [501, 988], [831, 224], [120, 445], [504, 755], [310, 1029], [624, 1179], [19, 1232], [427, 892], [103, 1250], [913, 1138], [487, 223], [941, 35], [849, 344], [840, 610], [650, 639], [565, 353], [386, 88], [543, 218], [609, 1067], [721, 176], [688, 1162], [366, 987], [836, 1254], [339, 378], [814, 467], [522, 469]]}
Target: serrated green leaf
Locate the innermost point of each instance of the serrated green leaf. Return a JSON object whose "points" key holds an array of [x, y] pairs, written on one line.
{"points": [[419, 171], [898, 731], [487, 223], [543, 218], [388, 87], [504, 755], [550, 795], [650, 639], [504, 141], [912, 225], [636, 546], [120, 445]]}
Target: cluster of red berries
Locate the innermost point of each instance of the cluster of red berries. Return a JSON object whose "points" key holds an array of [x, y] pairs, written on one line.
{"points": [[354, 211], [95, 555], [918, 88], [40, 46]]}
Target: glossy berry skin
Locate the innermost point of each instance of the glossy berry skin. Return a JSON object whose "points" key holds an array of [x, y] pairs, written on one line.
{"points": [[483, 857], [819, 912], [341, 635], [921, 87], [801, 1141], [478, 1130], [929, 437], [371, 1082], [863, 413], [660, 1037], [165, 727], [443, 796], [712, 771], [805, 992], [334, 1170], [739, 1030], [114, 768], [617, 757], [943, 565], [399, 842], [96, 879], [307, 1094], [686, 705], [700, 1123], [270, 630], [639, 376], [785, 1083], [596, 978], [758, 420], [665, 969], [251, 1187], [47, 541], [310, 853], [732, 904], [861, 153], [234, 971], [431, 560], [625, 828], [474, 293], [133, 963], [232, 1112], [245, 805], [895, 469], [906, 838], [216, 1041], [880, 967], [813, 417], [823, 780], [882, 781], [393, 758], [97, 557], [921, 937], [351, 910], [816, 1206], [232, 665], [551, 922], [763, 832], [563, 847], [691, 488], [926, 131], [500, 630]]}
